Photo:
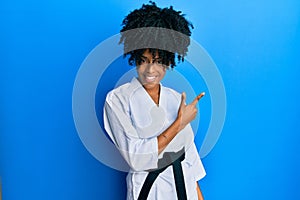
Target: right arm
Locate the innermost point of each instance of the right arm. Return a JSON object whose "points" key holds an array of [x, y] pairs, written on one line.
{"points": [[142, 153], [186, 113]]}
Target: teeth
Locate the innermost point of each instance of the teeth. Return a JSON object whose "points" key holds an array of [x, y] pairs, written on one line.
{"points": [[150, 78]]}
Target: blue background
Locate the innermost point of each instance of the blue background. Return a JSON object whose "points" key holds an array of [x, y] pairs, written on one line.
{"points": [[255, 45]]}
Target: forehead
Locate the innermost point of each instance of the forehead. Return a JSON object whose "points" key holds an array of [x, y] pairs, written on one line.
{"points": [[148, 55]]}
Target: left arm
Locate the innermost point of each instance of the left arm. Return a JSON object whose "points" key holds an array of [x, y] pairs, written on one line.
{"points": [[200, 196]]}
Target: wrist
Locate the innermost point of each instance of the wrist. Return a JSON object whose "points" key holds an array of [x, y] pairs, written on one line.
{"points": [[177, 124]]}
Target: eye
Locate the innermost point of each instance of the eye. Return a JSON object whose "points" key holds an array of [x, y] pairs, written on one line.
{"points": [[142, 61], [159, 62]]}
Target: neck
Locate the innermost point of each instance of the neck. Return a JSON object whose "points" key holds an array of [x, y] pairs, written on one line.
{"points": [[153, 90], [154, 93]]}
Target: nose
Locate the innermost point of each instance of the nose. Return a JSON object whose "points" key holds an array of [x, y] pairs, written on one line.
{"points": [[150, 68]]}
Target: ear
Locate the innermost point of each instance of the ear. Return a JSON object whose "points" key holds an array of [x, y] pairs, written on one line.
{"points": [[137, 65]]}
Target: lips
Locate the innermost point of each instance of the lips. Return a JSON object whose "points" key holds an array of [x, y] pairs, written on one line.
{"points": [[150, 78]]}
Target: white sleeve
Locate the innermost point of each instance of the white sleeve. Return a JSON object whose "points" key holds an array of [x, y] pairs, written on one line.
{"points": [[140, 153], [194, 160]]}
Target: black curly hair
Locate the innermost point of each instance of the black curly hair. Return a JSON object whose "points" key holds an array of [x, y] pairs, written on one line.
{"points": [[156, 20]]}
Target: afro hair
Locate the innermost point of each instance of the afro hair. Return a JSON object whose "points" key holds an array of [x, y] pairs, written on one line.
{"points": [[149, 21]]}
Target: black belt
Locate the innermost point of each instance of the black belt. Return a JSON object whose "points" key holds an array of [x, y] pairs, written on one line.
{"points": [[169, 158]]}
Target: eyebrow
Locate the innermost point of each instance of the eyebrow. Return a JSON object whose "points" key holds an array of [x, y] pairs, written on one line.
{"points": [[144, 57]]}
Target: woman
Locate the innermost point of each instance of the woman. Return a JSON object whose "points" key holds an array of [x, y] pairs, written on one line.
{"points": [[150, 123]]}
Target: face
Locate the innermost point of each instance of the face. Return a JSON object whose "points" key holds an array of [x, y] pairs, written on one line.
{"points": [[151, 71]]}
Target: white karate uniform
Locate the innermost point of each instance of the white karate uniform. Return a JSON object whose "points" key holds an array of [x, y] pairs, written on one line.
{"points": [[133, 121]]}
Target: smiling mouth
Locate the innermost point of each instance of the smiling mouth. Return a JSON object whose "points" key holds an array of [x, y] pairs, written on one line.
{"points": [[150, 78]]}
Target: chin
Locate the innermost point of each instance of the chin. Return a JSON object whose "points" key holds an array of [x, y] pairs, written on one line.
{"points": [[150, 85]]}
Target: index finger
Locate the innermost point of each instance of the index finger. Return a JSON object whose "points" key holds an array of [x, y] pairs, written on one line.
{"points": [[198, 98]]}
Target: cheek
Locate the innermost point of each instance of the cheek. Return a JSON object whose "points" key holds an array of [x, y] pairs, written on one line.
{"points": [[162, 75], [163, 72], [140, 69]]}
